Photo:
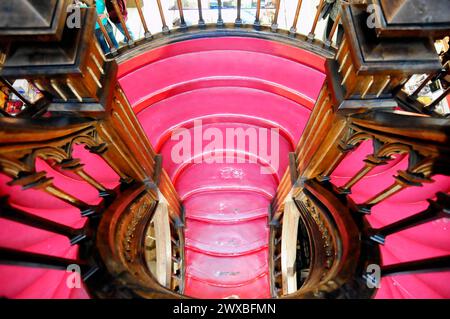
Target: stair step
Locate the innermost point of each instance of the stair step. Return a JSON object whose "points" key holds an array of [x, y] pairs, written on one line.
{"points": [[256, 289], [227, 206], [197, 177], [226, 270], [227, 239]]}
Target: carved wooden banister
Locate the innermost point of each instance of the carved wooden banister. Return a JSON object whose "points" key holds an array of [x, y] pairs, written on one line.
{"points": [[336, 254], [140, 235], [20, 147], [85, 105], [74, 235], [426, 147], [357, 80], [84, 85], [356, 104], [437, 209], [150, 267]]}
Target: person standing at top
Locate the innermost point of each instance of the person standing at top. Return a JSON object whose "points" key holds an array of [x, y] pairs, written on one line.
{"points": [[122, 4], [331, 9], [101, 11]]}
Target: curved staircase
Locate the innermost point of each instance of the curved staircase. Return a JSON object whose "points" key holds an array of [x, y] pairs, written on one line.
{"points": [[236, 84], [285, 206]]}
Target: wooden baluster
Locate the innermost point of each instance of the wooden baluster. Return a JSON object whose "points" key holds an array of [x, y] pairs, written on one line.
{"points": [[312, 34], [422, 85], [347, 75], [86, 209], [112, 48], [238, 21], [381, 156], [74, 91], [370, 80], [76, 167], [147, 34], [433, 105], [436, 264], [201, 22], [342, 48], [344, 61], [274, 26], [124, 116], [39, 180], [74, 235], [291, 218], [130, 40], [118, 153], [329, 41], [344, 150], [346, 189], [384, 86], [219, 17], [54, 84], [257, 23], [175, 242], [14, 91], [110, 159], [293, 29], [165, 28], [403, 180], [163, 243], [26, 259], [386, 193], [183, 24], [436, 210]]}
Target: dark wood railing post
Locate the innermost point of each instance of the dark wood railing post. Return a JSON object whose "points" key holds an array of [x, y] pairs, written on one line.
{"points": [[293, 29], [220, 23], [312, 33], [238, 21], [274, 26], [112, 48], [74, 235], [201, 21], [183, 24], [165, 28], [257, 23], [27, 259], [437, 209], [147, 33], [129, 39]]}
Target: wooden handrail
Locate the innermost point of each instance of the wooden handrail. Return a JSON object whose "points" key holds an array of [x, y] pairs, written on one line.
{"points": [[397, 125], [130, 217], [349, 110]]}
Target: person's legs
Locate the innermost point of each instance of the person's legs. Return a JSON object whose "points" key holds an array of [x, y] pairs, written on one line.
{"points": [[328, 28], [340, 35], [110, 31], [120, 28], [102, 41]]}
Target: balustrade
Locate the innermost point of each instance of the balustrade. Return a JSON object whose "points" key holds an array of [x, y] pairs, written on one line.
{"points": [[320, 240]]}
